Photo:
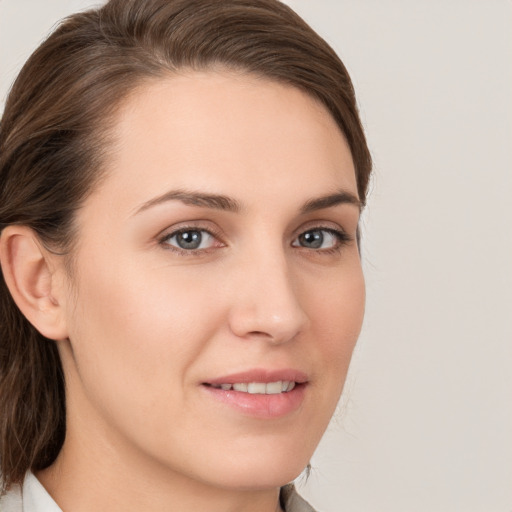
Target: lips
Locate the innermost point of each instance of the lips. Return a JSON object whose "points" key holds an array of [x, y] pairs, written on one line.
{"points": [[260, 393]]}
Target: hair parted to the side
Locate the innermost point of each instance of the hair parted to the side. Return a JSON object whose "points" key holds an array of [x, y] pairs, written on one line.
{"points": [[54, 136]]}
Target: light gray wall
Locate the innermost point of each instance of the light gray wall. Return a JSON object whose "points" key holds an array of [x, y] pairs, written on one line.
{"points": [[425, 424]]}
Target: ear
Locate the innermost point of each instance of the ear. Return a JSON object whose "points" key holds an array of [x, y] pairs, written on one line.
{"points": [[32, 276]]}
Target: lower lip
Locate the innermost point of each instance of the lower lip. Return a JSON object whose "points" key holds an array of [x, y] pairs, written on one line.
{"points": [[259, 405]]}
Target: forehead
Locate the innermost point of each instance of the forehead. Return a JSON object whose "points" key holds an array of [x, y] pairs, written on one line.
{"points": [[228, 133]]}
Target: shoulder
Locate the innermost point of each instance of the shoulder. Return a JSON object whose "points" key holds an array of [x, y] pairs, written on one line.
{"points": [[292, 502], [11, 501]]}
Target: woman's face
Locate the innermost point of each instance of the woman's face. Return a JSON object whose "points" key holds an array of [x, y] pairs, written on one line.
{"points": [[216, 268]]}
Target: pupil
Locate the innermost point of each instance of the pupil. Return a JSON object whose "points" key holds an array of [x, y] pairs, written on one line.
{"points": [[312, 239], [189, 239]]}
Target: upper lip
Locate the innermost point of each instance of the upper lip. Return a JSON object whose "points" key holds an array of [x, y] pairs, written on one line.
{"points": [[261, 375]]}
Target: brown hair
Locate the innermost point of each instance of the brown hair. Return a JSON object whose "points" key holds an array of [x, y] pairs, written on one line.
{"points": [[54, 134]]}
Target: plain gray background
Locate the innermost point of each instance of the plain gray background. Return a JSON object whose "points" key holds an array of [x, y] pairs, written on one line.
{"points": [[425, 424]]}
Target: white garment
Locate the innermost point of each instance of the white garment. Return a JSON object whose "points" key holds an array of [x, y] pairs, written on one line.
{"points": [[33, 497]]}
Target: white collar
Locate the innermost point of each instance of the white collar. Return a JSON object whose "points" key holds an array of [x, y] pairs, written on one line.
{"points": [[35, 497], [31, 497]]}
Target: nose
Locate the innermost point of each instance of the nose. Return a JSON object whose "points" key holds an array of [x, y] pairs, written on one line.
{"points": [[266, 301]]}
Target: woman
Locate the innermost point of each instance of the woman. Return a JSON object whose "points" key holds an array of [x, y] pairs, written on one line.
{"points": [[181, 184]]}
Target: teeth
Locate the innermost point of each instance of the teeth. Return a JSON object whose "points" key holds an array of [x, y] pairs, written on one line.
{"points": [[259, 388], [273, 388], [256, 388]]}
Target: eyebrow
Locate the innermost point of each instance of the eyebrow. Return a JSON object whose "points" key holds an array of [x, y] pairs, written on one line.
{"points": [[204, 200], [226, 203], [341, 197]]}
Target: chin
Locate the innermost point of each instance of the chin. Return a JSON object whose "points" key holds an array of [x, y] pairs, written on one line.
{"points": [[256, 471], [270, 477]]}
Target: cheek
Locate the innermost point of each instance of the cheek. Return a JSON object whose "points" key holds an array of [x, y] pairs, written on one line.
{"points": [[134, 334], [336, 312]]}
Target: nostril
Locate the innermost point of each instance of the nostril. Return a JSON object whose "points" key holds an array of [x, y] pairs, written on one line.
{"points": [[260, 334]]}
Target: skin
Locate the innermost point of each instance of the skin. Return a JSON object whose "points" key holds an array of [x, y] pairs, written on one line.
{"points": [[145, 324]]}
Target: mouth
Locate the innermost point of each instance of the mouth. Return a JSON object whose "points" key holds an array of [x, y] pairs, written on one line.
{"points": [[260, 393], [258, 388]]}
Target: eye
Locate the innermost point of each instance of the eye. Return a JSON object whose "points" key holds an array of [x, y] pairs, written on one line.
{"points": [[320, 239], [190, 239]]}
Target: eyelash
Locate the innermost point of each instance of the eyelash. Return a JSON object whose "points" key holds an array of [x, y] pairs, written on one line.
{"points": [[189, 252], [342, 239], [341, 236]]}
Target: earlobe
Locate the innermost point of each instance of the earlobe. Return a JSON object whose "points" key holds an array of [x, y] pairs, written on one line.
{"points": [[31, 278]]}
